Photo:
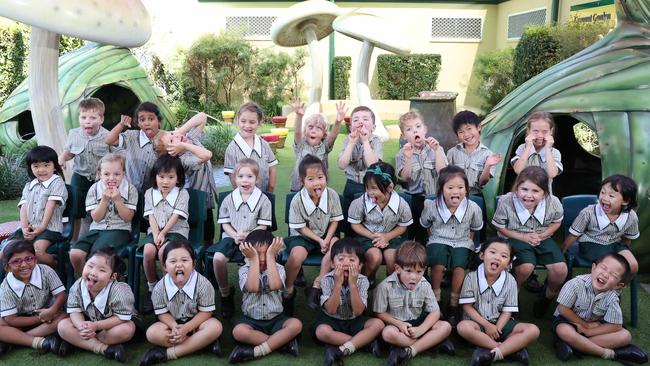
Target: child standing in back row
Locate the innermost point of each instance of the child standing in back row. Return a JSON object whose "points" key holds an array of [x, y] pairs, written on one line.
{"points": [[538, 148], [42, 203], [313, 139], [247, 144], [476, 159]]}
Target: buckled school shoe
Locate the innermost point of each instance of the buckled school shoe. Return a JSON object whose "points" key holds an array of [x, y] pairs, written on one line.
{"points": [[51, 344], [562, 350], [630, 354], [241, 354], [116, 352], [333, 355], [216, 348], [481, 357], [153, 356]]}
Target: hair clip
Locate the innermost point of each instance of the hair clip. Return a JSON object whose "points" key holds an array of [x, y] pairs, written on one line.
{"points": [[377, 171]]}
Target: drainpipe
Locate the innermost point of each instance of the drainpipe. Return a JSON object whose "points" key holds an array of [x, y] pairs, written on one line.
{"points": [[331, 65], [555, 9]]}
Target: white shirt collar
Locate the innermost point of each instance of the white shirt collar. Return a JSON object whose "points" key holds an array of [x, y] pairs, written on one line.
{"points": [[45, 184], [171, 196], [124, 189], [252, 200], [523, 214], [309, 204], [100, 300], [445, 214], [497, 286], [19, 286], [143, 139], [393, 202], [243, 145], [603, 220], [188, 289]]}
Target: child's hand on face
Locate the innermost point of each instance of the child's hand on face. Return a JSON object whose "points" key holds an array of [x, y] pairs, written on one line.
{"points": [[364, 134], [125, 121], [493, 331], [433, 143], [354, 137], [407, 150], [549, 141], [529, 140], [275, 247], [353, 274], [341, 111], [380, 242], [298, 107], [114, 194], [248, 251], [176, 147], [338, 275], [493, 160], [107, 194]]}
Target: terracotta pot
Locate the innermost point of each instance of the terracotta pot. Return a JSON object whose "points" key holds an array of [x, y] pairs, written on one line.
{"points": [[279, 121]]}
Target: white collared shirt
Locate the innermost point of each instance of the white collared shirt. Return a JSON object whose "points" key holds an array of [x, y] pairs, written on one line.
{"points": [[245, 216], [489, 301], [116, 299], [451, 229], [176, 203], [23, 299], [396, 213], [304, 213], [35, 197], [238, 149], [593, 226], [183, 303]]}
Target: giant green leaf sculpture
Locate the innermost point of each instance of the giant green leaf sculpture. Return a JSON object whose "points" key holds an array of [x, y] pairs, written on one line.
{"points": [[81, 73], [606, 86]]}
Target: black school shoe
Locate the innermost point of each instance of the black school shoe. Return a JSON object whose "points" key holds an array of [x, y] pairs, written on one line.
{"points": [[153, 356], [532, 284], [241, 354], [375, 348], [65, 349], [300, 279], [481, 357], [399, 356], [216, 348], [333, 355], [292, 347], [520, 356], [116, 352], [228, 304], [313, 297], [630, 355], [562, 350], [4, 348], [51, 344], [446, 347]]}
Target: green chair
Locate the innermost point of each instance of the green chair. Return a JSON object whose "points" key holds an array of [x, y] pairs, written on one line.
{"points": [[196, 220], [572, 206]]}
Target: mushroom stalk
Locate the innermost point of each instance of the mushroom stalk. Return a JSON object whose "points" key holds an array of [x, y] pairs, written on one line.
{"points": [[43, 71], [313, 103], [363, 90]]}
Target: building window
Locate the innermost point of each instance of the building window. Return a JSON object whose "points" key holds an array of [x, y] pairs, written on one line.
{"points": [[456, 29], [518, 22], [250, 27]]}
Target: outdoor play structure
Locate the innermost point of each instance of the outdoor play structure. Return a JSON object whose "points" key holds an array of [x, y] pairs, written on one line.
{"points": [[604, 86]]}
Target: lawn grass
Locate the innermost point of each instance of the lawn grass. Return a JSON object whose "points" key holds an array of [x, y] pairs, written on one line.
{"points": [[541, 352]]}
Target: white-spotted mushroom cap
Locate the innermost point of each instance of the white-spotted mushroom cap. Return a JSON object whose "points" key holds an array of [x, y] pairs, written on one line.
{"points": [[287, 29], [123, 23], [374, 29]]}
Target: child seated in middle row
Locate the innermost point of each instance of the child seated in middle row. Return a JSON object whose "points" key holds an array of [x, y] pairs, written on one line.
{"points": [[263, 325], [245, 209], [31, 298], [489, 297], [405, 302], [166, 208], [588, 317], [314, 215], [342, 324], [379, 217]]}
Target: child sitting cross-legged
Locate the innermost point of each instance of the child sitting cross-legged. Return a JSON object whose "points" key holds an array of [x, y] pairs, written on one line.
{"points": [[406, 303], [342, 324], [263, 328], [588, 317], [31, 298], [489, 297]]}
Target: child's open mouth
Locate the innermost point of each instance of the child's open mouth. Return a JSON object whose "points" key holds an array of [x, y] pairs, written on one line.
{"points": [[90, 283], [318, 192], [454, 200], [494, 266], [411, 285], [601, 281], [417, 139], [180, 275]]}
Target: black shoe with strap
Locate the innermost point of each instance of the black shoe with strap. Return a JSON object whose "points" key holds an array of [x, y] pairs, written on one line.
{"points": [[153, 356], [241, 354], [228, 304]]}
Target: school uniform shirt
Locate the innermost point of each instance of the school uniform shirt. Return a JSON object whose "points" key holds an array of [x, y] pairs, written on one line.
{"points": [[17, 297], [245, 215], [162, 209], [261, 152], [578, 295], [424, 176], [199, 175], [37, 194], [472, 163], [112, 219], [265, 304], [87, 150], [140, 157], [512, 215], [592, 225], [183, 303], [366, 212], [303, 149], [489, 301], [539, 158], [344, 309], [116, 299], [357, 167], [448, 228], [391, 296], [304, 213]]}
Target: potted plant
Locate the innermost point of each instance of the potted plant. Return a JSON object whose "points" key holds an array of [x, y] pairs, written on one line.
{"points": [[228, 116], [279, 121]]}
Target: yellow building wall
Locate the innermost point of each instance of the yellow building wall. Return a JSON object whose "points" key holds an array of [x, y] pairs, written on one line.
{"points": [[511, 7]]}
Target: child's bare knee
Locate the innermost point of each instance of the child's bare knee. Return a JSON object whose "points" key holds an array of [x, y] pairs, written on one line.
{"points": [[219, 259], [442, 326]]}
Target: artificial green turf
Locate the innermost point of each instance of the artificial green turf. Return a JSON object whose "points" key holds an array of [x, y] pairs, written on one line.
{"points": [[541, 352]]}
